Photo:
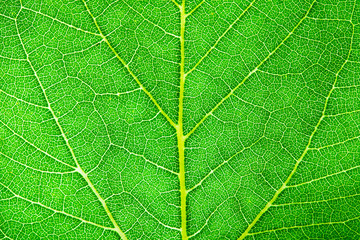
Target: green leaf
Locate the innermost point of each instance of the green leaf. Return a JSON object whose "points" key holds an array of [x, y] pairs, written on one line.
{"points": [[168, 119]]}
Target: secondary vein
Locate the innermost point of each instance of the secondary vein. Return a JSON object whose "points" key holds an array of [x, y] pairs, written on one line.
{"points": [[78, 167], [54, 210], [128, 68], [222, 35], [307, 148], [247, 76]]}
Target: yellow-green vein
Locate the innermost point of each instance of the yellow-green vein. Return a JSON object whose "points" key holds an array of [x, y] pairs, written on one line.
{"points": [[78, 167], [222, 35], [54, 210], [179, 128], [307, 148], [249, 74], [128, 68]]}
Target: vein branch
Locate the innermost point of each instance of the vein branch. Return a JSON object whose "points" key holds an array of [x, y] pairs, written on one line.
{"points": [[218, 40], [35, 169], [317, 201], [195, 8], [59, 21], [33, 145], [324, 177], [208, 219], [5, 16], [303, 226], [147, 20], [335, 144], [176, 4], [128, 68], [307, 148], [146, 160], [21, 100], [154, 217], [54, 210], [78, 168], [222, 164], [5, 236], [249, 74]]}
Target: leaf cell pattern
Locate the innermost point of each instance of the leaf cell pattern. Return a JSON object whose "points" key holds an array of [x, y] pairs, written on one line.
{"points": [[124, 119]]}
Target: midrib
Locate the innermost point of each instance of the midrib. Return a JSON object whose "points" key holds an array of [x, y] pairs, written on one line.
{"points": [[179, 127]]}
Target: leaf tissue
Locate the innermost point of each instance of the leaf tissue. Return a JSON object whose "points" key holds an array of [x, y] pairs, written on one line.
{"points": [[179, 119]]}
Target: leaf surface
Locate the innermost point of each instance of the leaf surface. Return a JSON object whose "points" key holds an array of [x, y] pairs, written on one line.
{"points": [[179, 120]]}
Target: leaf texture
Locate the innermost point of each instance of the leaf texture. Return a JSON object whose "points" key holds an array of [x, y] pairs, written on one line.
{"points": [[129, 119]]}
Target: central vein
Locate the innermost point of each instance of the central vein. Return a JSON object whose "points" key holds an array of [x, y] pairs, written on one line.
{"points": [[179, 127]]}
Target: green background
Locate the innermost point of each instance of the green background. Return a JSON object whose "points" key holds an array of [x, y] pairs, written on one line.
{"points": [[272, 95]]}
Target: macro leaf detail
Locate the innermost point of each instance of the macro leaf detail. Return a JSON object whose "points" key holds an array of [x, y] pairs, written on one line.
{"points": [[179, 119]]}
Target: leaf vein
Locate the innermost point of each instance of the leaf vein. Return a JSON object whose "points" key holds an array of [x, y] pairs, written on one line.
{"points": [[79, 169], [59, 21], [324, 177], [222, 164], [285, 184], [218, 40], [161, 223], [128, 68], [147, 20], [146, 160], [56, 211], [249, 75], [317, 201], [35, 169], [21, 100], [304, 226], [33, 145]]}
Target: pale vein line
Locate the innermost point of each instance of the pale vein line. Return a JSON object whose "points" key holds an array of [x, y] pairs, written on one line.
{"points": [[161, 223], [218, 105], [82, 50], [344, 113], [324, 177], [21, 100], [178, 5], [79, 169], [35, 169], [207, 219], [195, 8], [6, 236], [351, 86], [303, 226], [218, 40], [221, 164], [37, 148], [254, 105], [146, 160], [59, 21], [179, 129], [107, 7], [108, 135], [249, 75], [7, 17], [328, 19], [284, 186], [335, 144], [100, 161], [147, 20], [56, 211], [6, 199], [117, 94], [318, 201], [128, 68], [12, 59]]}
